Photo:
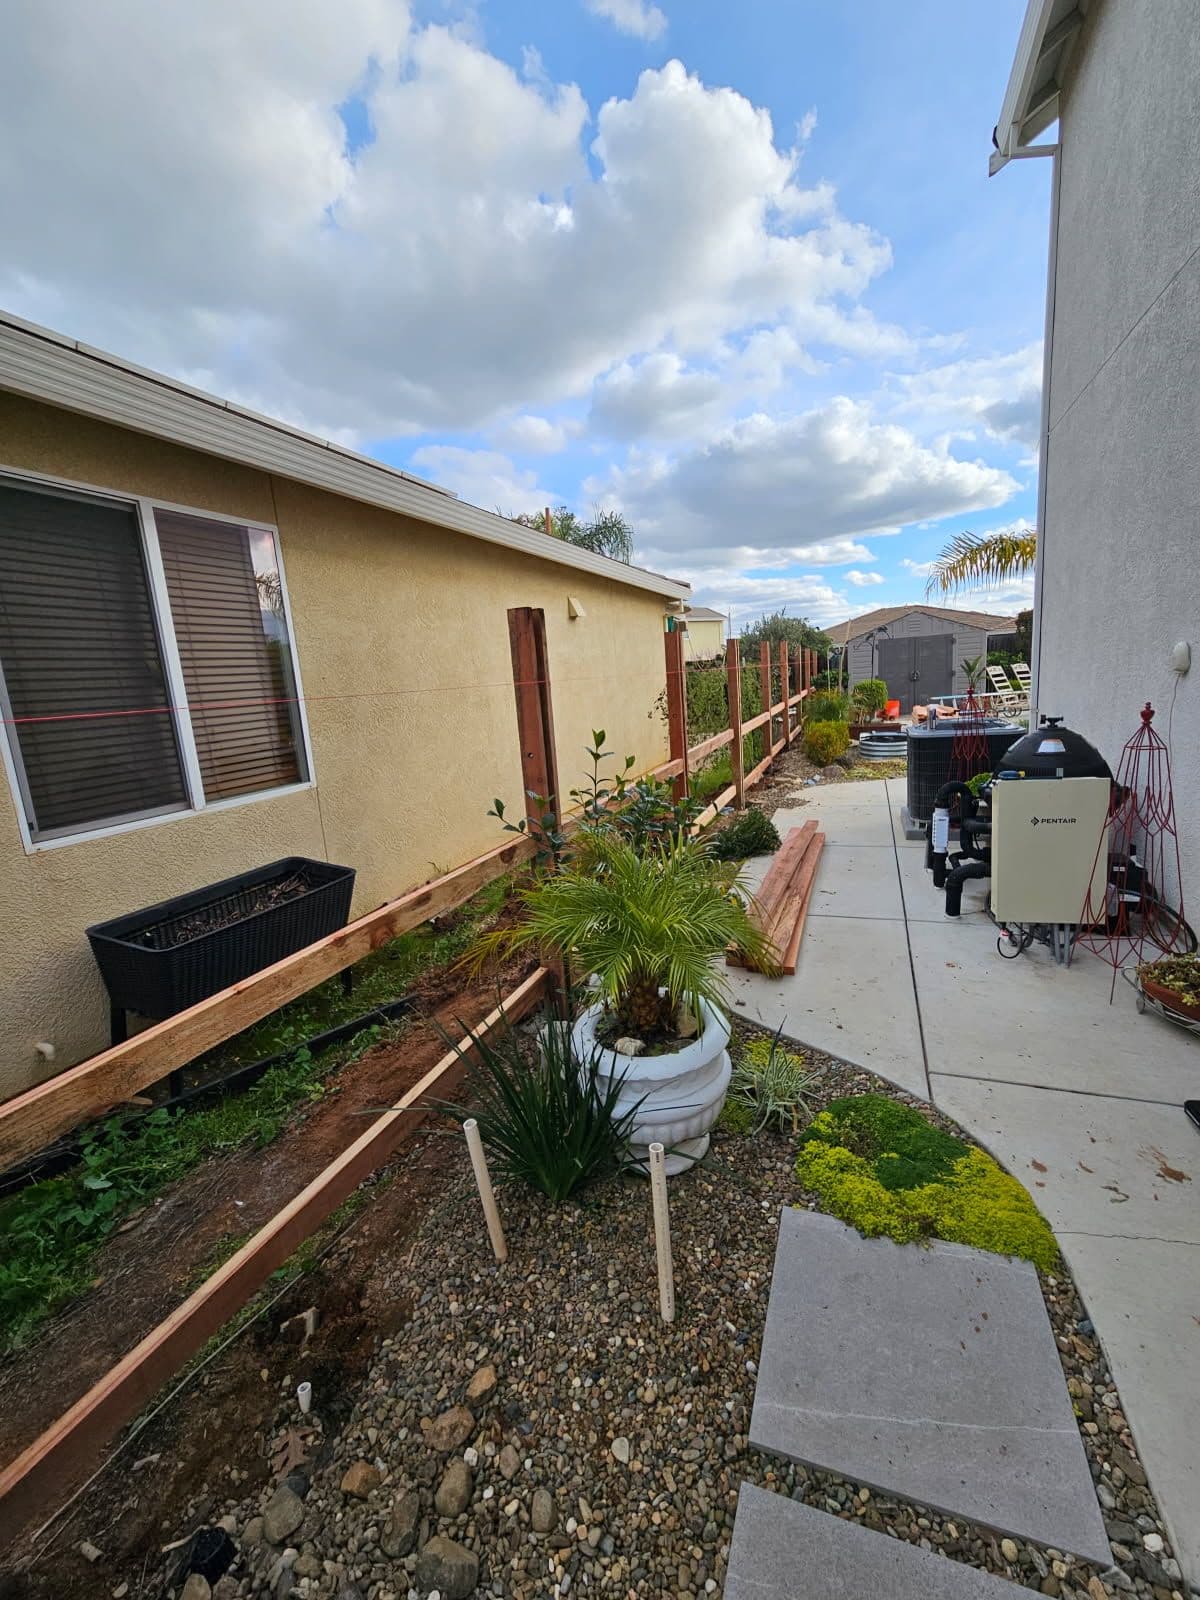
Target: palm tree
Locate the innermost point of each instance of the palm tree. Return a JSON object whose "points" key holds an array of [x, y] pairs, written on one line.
{"points": [[607, 534], [971, 561]]}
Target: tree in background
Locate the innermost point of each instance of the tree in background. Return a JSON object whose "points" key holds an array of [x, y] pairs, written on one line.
{"points": [[1024, 633], [797, 632], [972, 561], [607, 534]]}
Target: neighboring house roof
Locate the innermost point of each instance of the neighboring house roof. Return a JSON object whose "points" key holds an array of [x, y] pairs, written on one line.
{"points": [[46, 366], [703, 614], [1048, 37], [844, 632]]}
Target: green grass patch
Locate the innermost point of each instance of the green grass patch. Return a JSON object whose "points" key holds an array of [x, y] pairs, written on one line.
{"points": [[881, 1167], [53, 1229]]}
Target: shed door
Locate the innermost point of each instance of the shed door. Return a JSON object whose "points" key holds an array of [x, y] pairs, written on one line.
{"points": [[916, 669]]}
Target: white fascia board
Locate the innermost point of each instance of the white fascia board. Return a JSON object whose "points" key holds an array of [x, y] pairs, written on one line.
{"points": [[1021, 80], [44, 365]]}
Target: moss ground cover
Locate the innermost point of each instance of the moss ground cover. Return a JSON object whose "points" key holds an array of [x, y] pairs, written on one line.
{"points": [[881, 1167]]}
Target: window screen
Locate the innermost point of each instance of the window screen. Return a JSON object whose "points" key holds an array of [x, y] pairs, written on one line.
{"points": [[227, 609], [91, 727]]}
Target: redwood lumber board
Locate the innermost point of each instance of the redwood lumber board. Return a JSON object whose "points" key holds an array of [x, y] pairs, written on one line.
{"points": [[755, 722], [33, 1479], [708, 747], [776, 885], [778, 930], [712, 811], [31, 1120], [756, 773], [791, 955], [795, 904], [669, 769]]}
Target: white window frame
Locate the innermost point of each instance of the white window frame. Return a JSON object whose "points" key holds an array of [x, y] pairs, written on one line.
{"points": [[195, 804]]}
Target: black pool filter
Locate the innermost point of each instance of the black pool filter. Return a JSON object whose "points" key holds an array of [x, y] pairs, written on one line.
{"points": [[1052, 751], [929, 756]]}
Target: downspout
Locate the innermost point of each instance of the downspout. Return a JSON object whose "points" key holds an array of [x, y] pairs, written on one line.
{"points": [[1035, 666]]}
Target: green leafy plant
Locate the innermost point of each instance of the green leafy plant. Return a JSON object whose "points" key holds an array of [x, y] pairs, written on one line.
{"points": [[553, 1122], [797, 632], [640, 924], [1180, 974], [829, 707], [870, 696], [972, 666], [751, 834], [712, 778], [824, 742], [884, 1169], [976, 783], [771, 1081]]}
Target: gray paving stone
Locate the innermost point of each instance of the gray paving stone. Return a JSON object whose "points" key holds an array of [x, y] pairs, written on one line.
{"points": [[786, 1550], [929, 1373]]}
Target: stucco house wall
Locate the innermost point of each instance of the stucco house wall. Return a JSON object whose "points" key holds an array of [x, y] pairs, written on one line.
{"points": [[1118, 580], [401, 636]]}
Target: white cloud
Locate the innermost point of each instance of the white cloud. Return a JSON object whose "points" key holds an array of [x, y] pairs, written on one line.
{"points": [[1001, 394], [532, 435], [861, 580], [919, 569], [775, 484], [488, 241], [483, 478], [655, 397], [642, 20], [748, 596]]}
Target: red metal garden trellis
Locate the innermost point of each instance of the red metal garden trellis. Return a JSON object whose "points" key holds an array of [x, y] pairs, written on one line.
{"points": [[1127, 917], [969, 754]]}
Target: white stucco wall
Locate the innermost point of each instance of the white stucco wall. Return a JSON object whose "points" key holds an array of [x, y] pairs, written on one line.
{"points": [[1119, 579]]}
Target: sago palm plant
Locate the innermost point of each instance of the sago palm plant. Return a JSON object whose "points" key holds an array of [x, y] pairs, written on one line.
{"points": [[651, 928]]}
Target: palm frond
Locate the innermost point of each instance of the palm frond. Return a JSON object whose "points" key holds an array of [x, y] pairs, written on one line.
{"points": [[971, 561]]}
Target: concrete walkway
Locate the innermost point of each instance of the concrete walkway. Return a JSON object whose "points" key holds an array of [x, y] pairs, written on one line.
{"points": [[1080, 1098]]}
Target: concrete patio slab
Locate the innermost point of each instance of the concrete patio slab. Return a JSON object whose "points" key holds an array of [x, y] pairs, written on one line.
{"points": [[849, 884], [1031, 1021], [857, 824], [782, 1550], [824, 1003], [1089, 1169], [1147, 1293], [1033, 1061], [926, 1372], [923, 902]]}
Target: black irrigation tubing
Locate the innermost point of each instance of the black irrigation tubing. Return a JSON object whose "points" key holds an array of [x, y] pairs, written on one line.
{"points": [[48, 1163]]}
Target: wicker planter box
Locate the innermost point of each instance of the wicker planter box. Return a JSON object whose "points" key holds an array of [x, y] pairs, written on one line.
{"points": [[166, 957]]}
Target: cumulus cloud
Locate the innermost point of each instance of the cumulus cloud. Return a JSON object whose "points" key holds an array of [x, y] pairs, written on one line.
{"points": [[1002, 394], [863, 580], [636, 17], [919, 569], [532, 435], [747, 596], [486, 238], [655, 397], [773, 484], [484, 478]]}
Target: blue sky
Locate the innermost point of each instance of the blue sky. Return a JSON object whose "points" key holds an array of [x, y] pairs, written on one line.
{"points": [[738, 270]]}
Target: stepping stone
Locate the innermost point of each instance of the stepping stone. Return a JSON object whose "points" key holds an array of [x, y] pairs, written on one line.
{"points": [[783, 1550], [926, 1372]]}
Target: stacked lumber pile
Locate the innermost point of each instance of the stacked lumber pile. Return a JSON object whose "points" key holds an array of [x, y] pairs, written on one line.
{"points": [[780, 908]]}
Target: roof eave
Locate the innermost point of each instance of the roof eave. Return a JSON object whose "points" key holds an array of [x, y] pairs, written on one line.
{"points": [[1031, 100], [43, 365]]}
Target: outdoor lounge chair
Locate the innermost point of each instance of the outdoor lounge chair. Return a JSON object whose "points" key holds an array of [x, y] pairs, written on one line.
{"points": [[1003, 691], [1021, 672]]}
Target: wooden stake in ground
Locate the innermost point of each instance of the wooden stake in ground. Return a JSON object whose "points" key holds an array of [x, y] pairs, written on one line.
{"points": [[484, 1179], [662, 1233]]}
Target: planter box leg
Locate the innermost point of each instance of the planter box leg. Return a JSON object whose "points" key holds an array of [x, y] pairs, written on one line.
{"points": [[118, 1025]]}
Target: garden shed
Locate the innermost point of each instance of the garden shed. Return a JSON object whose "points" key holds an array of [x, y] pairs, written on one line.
{"points": [[918, 650], [224, 642]]}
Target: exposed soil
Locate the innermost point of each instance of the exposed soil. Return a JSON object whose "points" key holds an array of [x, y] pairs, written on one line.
{"points": [[145, 1271], [225, 912]]}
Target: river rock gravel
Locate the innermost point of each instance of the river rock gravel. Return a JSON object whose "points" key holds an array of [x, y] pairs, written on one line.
{"points": [[604, 1449]]}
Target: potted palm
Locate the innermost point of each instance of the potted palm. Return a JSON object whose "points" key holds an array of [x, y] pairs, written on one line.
{"points": [[650, 929]]}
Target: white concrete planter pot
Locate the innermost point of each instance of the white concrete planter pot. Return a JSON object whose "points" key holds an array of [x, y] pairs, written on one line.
{"points": [[682, 1091]]}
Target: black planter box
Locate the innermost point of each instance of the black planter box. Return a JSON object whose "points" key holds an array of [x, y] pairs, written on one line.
{"points": [[152, 962]]}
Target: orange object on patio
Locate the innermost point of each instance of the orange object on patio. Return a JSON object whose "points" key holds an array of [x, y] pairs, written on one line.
{"points": [[891, 710]]}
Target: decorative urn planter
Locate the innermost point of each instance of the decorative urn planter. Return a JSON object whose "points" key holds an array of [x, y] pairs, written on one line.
{"points": [[682, 1091]]}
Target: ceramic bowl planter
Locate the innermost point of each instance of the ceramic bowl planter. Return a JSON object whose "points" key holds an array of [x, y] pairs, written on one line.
{"points": [[682, 1091]]}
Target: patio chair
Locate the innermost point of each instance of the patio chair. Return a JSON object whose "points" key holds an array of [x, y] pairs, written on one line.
{"points": [[1021, 672], [1003, 691]]}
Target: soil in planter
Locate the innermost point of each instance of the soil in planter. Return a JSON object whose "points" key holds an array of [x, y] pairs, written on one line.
{"points": [[224, 913], [658, 1041]]}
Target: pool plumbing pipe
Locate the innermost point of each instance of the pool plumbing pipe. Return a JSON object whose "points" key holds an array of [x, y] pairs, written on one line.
{"points": [[974, 840], [937, 844]]}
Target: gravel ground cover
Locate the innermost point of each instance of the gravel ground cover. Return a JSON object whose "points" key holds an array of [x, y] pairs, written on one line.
{"points": [[533, 1429]]}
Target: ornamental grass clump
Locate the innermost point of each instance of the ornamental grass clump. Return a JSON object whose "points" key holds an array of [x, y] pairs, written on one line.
{"points": [[882, 1168], [770, 1082], [649, 927], [552, 1122]]}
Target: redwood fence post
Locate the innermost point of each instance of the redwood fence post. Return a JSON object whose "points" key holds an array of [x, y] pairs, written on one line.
{"points": [[785, 692], [764, 689], [677, 709], [733, 679]]}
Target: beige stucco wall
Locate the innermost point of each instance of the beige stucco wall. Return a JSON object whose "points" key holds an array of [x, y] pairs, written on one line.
{"points": [[704, 640], [402, 641]]}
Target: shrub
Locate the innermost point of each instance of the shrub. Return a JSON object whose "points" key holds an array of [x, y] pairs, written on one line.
{"points": [[751, 834], [825, 741], [770, 1082], [826, 708], [552, 1123], [882, 1168], [870, 696], [737, 1117]]}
